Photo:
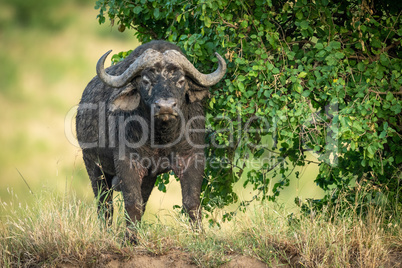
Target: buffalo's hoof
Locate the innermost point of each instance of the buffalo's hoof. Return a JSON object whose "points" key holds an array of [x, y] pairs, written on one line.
{"points": [[130, 238]]}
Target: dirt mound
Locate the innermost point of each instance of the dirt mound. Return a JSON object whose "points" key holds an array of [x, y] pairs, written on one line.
{"points": [[243, 262], [175, 258], [172, 259]]}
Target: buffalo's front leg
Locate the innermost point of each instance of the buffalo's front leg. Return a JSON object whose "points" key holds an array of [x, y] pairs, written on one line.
{"points": [[131, 175], [191, 176]]}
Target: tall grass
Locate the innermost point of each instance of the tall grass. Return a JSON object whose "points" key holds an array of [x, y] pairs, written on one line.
{"points": [[52, 230], [321, 241], [56, 230]]}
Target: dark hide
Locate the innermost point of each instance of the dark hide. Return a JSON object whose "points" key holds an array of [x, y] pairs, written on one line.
{"points": [[111, 122]]}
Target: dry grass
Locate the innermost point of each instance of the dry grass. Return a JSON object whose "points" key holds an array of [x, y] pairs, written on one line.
{"points": [[347, 240], [54, 231]]}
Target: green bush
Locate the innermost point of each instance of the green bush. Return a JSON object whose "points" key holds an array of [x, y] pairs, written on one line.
{"points": [[320, 77]]}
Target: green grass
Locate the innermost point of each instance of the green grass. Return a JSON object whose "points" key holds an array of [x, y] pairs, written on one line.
{"points": [[57, 230]]}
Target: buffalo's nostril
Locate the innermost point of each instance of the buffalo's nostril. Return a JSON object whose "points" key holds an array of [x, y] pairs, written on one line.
{"points": [[165, 106]]}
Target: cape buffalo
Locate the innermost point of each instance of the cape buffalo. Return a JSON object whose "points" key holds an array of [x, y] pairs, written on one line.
{"points": [[142, 117]]}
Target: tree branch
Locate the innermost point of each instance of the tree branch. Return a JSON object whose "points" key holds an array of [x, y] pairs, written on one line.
{"points": [[386, 92]]}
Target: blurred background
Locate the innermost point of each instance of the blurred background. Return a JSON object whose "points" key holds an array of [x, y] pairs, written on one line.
{"points": [[48, 53]]}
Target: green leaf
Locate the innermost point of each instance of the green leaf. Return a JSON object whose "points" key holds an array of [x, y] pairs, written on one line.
{"points": [[331, 60], [306, 93], [302, 75], [304, 25], [389, 96], [241, 78], [360, 66], [371, 151], [383, 134], [244, 24], [319, 46], [352, 145], [322, 53], [396, 108], [398, 159], [137, 10], [335, 45], [339, 55], [384, 60], [207, 21], [275, 71], [156, 13], [240, 86]]}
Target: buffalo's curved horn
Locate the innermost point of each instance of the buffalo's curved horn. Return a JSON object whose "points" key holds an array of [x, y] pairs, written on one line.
{"points": [[205, 80], [146, 59]]}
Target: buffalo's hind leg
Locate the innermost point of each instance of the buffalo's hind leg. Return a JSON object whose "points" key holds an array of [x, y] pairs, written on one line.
{"points": [[101, 185]]}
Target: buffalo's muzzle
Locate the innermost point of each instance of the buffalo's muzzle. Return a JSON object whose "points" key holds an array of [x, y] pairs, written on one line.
{"points": [[165, 109]]}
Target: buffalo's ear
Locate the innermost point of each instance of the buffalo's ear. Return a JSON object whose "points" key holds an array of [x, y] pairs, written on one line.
{"points": [[198, 95], [196, 92], [126, 100]]}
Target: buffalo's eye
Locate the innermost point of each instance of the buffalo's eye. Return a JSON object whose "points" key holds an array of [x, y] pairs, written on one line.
{"points": [[181, 82], [147, 84], [145, 81]]}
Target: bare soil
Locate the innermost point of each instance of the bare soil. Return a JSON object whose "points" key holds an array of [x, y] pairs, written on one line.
{"points": [[172, 259], [180, 260], [176, 258]]}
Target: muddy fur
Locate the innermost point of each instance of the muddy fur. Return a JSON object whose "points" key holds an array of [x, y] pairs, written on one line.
{"points": [[110, 121]]}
